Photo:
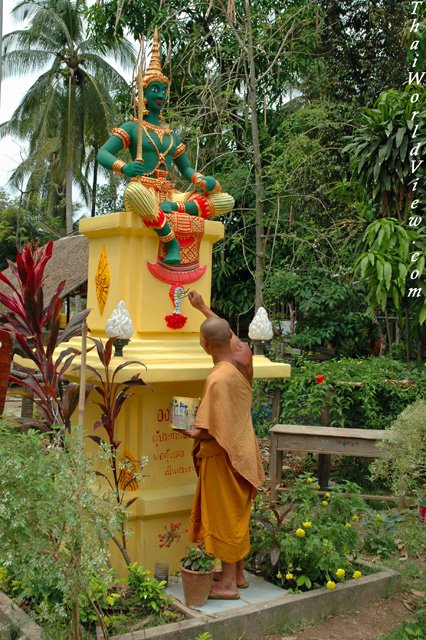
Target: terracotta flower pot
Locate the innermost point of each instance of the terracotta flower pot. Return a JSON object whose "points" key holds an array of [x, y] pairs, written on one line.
{"points": [[196, 586]]}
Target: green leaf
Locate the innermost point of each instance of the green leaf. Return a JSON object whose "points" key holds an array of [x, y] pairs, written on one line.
{"points": [[382, 300], [364, 263], [389, 146], [388, 274], [422, 316], [403, 149], [395, 298], [382, 153], [402, 274], [400, 136], [376, 169], [420, 265]]}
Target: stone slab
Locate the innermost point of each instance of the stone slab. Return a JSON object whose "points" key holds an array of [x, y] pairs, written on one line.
{"points": [[259, 591]]}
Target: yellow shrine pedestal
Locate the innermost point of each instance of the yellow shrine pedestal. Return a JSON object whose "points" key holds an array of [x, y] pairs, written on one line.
{"points": [[120, 252]]}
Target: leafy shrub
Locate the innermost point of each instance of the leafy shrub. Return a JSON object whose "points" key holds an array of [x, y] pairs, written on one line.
{"points": [[307, 545], [54, 527], [28, 316], [366, 394], [379, 532], [110, 396], [329, 310], [403, 461], [98, 590], [147, 591]]}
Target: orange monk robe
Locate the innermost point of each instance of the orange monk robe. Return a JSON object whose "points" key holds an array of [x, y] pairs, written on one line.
{"points": [[228, 465]]}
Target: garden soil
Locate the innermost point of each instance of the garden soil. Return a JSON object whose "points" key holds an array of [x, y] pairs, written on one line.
{"points": [[366, 623]]}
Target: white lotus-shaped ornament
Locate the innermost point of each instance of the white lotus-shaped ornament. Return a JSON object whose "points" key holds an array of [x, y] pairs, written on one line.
{"points": [[119, 324], [260, 327]]}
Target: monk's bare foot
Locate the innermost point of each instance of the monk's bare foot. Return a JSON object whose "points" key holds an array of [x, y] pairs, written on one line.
{"points": [[221, 590], [241, 581]]}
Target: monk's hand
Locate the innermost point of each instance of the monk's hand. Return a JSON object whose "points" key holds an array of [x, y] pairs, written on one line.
{"points": [[133, 169], [196, 300], [192, 433]]}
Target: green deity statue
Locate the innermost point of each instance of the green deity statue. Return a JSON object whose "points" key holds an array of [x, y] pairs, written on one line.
{"points": [[154, 147]]}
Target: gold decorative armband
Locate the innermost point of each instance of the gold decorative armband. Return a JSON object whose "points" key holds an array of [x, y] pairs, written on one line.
{"points": [[123, 135], [168, 238], [181, 207], [179, 150], [117, 166], [197, 180]]}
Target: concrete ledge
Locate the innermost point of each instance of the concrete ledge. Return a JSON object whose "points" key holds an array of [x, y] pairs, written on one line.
{"points": [[13, 618], [254, 619]]}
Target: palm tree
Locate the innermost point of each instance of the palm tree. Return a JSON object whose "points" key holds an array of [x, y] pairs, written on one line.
{"points": [[69, 101]]}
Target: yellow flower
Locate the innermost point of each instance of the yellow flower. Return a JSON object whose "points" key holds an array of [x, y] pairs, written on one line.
{"points": [[279, 576], [357, 574], [309, 480], [327, 495], [340, 573], [300, 533], [325, 503], [307, 525], [262, 537], [303, 367], [316, 486], [378, 516], [348, 525], [289, 576], [355, 518], [331, 584]]}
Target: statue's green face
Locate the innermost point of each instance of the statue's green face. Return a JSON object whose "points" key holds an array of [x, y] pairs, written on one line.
{"points": [[155, 95]]}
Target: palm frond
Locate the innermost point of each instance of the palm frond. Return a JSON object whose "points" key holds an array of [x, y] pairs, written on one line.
{"points": [[121, 49], [22, 62]]}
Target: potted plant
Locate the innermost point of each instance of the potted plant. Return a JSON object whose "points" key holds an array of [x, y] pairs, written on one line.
{"points": [[197, 567]]}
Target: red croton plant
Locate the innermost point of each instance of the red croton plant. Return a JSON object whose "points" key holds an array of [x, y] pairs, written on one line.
{"points": [[36, 327]]}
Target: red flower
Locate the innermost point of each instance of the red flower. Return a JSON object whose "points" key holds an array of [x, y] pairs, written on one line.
{"points": [[320, 379], [175, 320]]}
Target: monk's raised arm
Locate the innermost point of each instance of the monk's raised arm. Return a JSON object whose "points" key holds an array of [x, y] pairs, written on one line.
{"points": [[236, 344]]}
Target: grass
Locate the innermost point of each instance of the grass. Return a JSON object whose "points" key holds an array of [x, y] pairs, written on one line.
{"points": [[284, 627], [409, 631]]}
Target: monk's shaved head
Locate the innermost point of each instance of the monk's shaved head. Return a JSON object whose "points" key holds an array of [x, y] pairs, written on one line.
{"points": [[217, 331]]}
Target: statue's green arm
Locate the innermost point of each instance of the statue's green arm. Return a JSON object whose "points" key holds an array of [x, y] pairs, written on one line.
{"points": [[184, 167], [107, 154]]}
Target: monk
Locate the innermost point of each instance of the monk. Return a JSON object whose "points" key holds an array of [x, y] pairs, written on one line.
{"points": [[226, 454]]}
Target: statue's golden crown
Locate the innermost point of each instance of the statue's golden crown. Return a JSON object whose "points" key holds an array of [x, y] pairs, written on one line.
{"points": [[154, 71]]}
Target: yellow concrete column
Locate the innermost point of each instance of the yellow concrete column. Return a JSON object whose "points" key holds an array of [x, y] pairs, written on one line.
{"points": [[119, 252]]}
